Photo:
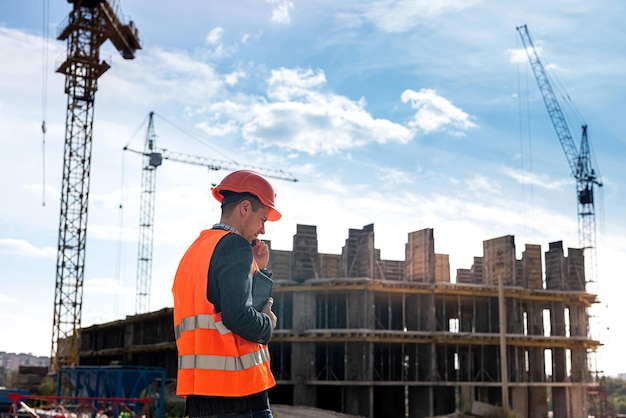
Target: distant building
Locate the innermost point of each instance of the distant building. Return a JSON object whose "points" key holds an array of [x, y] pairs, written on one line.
{"points": [[13, 361]]}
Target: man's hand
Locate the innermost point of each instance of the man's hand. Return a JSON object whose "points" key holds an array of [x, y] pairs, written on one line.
{"points": [[261, 253], [267, 309]]}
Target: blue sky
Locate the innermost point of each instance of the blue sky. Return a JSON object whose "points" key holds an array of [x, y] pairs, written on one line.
{"points": [[405, 114]]}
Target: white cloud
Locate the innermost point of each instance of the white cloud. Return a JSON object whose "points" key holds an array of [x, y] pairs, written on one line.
{"points": [[251, 36], [232, 78], [402, 15], [520, 56], [393, 176], [215, 36], [288, 84], [535, 180], [300, 115], [218, 129], [24, 248], [482, 184], [435, 113], [517, 55], [165, 77], [22, 67], [280, 13]]}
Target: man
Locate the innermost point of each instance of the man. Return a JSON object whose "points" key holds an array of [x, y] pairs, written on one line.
{"points": [[223, 360]]}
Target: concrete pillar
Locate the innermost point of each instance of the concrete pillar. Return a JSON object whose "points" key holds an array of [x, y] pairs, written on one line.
{"points": [[303, 370], [579, 325], [519, 401], [578, 320], [532, 267], [538, 402], [358, 356], [556, 270], [578, 401], [304, 314], [304, 256], [420, 256], [466, 398], [360, 310], [303, 353], [357, 401], [499, 260], [358, 256], [557, 325], [580, 372]]}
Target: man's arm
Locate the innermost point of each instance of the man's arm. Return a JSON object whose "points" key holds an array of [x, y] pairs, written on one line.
{"points": [[230, 285]]}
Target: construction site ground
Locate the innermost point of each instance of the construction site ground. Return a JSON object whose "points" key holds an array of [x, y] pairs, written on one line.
{"points": [[288, 411]]}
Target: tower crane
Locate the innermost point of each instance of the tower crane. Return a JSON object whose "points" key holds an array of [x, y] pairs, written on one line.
{"points": [[88, 26], [152, 158], [579, 159]]}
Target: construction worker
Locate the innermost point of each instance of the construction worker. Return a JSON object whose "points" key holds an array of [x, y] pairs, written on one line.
{"points": [[223, 359]]}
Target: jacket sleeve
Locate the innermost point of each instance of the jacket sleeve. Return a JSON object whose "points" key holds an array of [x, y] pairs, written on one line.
{"points": [[230, 289]]}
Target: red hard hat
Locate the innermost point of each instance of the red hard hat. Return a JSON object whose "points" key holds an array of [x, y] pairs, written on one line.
{"points": [[243, 181]]}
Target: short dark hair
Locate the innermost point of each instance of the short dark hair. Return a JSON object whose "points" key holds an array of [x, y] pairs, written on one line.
{"points": [[232, 199]]}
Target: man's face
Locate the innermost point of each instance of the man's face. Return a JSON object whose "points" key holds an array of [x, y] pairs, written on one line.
{"points": [[254, 222]]}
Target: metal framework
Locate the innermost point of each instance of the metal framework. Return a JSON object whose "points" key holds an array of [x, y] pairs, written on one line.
{"points": [[89, 24], [579, 159], [152, 158]]}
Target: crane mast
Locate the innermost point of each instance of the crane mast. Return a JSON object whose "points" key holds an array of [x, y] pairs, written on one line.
{"points": [[89, 25], [579, 160], [152, 158]]}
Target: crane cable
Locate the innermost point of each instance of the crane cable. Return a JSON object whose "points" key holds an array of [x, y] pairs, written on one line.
{"points": [[120, 238], [44, 95], [530, 174]]}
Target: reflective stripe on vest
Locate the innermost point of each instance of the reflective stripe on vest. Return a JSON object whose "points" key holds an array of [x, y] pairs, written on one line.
{"points": [[201, 321], [232, 364]]}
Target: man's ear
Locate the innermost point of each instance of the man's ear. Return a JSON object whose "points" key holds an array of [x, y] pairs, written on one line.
{"points": [[244, 206]]}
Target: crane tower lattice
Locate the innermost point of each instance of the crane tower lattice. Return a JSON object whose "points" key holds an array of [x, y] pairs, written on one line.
{"points": [[88, 26]]}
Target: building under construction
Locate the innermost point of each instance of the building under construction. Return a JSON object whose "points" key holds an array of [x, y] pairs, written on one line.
{"points": [[381, 338]]}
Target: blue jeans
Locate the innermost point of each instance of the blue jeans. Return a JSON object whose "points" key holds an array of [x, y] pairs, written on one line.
{"points": [[257, 413]]}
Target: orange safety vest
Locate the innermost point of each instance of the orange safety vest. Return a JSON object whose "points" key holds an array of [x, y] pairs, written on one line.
{"points": [[212, 361]]}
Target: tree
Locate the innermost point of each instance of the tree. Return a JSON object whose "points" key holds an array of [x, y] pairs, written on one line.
{"points": [[48, 386], [616, 393]]}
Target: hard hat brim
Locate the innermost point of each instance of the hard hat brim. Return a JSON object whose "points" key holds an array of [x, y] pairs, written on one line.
{"points": [[274, 215]]}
